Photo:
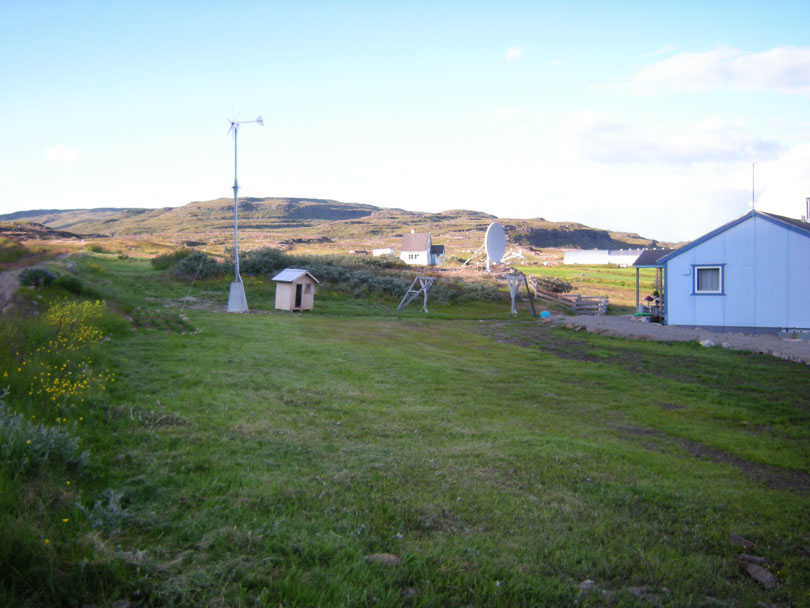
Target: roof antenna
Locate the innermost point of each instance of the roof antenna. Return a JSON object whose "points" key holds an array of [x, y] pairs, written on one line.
{"points": [[753, 198], [236, 297]]}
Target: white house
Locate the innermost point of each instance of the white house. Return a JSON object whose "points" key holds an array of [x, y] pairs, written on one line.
{"points": [[751, 275], [418, 248]]}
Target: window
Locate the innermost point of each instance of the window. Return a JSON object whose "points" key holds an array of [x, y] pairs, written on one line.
{"points": [[708, 280]]}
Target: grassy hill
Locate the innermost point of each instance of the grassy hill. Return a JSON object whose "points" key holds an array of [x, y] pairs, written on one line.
{"points": [[323, 225]]}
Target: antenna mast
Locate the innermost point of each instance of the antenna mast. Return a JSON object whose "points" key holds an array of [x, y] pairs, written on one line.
{"points": [[753, 198], [236, 297]]}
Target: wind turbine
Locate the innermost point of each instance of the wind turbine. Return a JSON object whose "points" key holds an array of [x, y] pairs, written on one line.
{"points": [[236, 297]]}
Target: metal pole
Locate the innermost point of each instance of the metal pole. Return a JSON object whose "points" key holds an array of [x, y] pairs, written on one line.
{"points": [[236, 276], [753, 199]]}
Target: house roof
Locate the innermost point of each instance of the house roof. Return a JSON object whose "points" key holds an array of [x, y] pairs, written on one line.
{"points": [[786, 222], [794, 223], [648, 258], [288, 275], [415, 241]]}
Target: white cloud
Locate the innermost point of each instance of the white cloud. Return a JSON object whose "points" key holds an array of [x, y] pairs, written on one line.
{"points": [[784, 70], [61, 155], [606, 140], [513, 53]]}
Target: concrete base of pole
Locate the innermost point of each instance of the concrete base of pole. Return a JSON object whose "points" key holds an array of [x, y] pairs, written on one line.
{"points": [[236, 298]]}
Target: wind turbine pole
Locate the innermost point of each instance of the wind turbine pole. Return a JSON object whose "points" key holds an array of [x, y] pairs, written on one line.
{"points": [[236, 276], [236, 297]]}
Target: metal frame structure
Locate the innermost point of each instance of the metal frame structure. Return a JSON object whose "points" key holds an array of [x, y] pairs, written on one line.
{"points": [[425, 284], [515, 280]]}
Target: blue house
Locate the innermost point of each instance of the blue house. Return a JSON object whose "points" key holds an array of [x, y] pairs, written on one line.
{"points": [[751, 275]]}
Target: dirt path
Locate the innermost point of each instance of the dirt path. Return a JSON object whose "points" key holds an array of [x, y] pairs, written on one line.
{"points": [[8, 285], [630, 327], [9, 280]]}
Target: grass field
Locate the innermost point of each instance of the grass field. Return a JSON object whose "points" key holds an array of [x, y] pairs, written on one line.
{"points": [[618, 284], [244, 460]]}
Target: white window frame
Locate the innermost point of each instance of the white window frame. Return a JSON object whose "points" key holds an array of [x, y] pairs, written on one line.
{"points": [[720, 268]]}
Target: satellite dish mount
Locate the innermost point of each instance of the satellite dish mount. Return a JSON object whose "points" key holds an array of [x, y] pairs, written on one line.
{"points": [[236, 297]]}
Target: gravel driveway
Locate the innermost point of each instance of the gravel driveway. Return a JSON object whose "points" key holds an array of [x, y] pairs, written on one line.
{"points": [[631, 327]]}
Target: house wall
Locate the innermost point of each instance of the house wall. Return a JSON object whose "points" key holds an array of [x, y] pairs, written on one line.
{"points": [[307, 299], [285, 295], [766, 279], [415, 257], [436, 260]]}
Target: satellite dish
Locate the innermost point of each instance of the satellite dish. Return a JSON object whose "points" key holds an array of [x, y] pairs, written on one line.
{"points": [[494, 243]]}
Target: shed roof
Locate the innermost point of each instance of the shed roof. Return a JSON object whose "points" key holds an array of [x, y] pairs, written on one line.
{"points": [[288, 275], [437, 249], [415, 241], [649, 257]]}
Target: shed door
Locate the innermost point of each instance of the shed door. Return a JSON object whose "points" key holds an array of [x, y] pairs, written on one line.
{"points": [[298, 290]]}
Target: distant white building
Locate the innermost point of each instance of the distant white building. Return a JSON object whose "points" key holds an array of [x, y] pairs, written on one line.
{"points": [[383, 251], [418, 249], [620, 257]]}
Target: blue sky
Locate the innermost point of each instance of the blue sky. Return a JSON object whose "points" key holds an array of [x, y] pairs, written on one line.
{"points": [[636, 116]]}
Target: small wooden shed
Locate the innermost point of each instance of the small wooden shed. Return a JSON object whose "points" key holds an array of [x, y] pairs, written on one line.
{"points": [[295, 289]]}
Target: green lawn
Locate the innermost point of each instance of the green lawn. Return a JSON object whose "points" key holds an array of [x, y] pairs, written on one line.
{"points": [[243, 460]]}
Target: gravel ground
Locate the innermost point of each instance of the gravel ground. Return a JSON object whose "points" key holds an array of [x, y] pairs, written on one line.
{"points": [[631, 327]]}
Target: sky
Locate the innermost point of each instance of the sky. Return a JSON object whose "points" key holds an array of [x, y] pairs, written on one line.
{"points": [[666, 119]]}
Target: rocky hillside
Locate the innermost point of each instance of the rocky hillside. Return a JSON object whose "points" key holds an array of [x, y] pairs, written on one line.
{"points": [[318, 221]]}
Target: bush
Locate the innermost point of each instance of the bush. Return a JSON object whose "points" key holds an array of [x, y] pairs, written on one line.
{"points": [[199, 264], [168, 260], [264, 261], [36, 277], [71, 284], [30, 448]]}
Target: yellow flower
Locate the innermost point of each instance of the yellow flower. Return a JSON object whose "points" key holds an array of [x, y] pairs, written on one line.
{"points": [[27, 442], [65, 520], [67, 483], [47, 541]]}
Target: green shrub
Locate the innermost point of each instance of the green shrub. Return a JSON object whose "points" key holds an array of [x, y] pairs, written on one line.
{"points": [[30, 448], [199, 264], [168, 260], [68, 283], [36, 277]]}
